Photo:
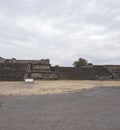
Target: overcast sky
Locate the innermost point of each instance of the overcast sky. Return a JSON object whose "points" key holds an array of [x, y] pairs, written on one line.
{"points": [[61, 30]]}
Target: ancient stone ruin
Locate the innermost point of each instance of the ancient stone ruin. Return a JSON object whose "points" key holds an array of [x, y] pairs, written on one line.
{"points": [[18, 70], [12, 69]]}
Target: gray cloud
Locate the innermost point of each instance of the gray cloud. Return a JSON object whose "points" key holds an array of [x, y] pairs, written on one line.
{"points": [[61, 30]]}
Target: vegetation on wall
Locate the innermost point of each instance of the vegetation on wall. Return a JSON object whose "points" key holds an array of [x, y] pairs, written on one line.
{"points": [[81, 62]]}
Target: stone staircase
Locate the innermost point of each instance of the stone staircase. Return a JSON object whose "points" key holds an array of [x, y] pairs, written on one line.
{"points": [[40, 71], [20, 71]]}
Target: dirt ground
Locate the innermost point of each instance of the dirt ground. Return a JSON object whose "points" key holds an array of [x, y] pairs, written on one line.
{"points": [[51, 87]]}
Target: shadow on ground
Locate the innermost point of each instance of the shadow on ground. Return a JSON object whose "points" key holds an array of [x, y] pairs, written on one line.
{"points": [[93, 109]]}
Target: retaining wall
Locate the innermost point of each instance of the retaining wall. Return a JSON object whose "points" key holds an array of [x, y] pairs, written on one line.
{"points": [[82, 73], [16, 70]]}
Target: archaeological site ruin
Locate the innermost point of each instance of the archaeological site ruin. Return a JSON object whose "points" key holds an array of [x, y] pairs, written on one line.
{"points": [[19, 70]]}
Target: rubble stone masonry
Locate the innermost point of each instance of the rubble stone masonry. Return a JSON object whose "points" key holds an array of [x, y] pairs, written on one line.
{"points": [[18, 70]]}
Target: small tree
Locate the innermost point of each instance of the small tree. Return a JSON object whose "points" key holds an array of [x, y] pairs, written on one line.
{"points": [[90, 64], [80, 62]]}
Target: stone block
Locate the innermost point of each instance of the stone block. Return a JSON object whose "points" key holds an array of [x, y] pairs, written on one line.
{"points": [[40, 67], [36, 75]]}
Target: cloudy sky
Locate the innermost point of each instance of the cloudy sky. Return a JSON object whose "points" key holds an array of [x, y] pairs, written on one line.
{"points": [[61, 30]]}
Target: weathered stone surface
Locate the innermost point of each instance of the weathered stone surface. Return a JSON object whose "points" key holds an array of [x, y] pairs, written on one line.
{"points": [[2, 60], [44, 61], [40, 67], [83, 73], [36, 75], [12, 72], [15, 70], [53, 76]]}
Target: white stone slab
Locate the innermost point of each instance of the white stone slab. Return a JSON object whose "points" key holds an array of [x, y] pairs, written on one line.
{"points": [[29, 80]]}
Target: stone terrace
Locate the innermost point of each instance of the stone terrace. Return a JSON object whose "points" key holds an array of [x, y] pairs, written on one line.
{"points": [[82, 73], [18, 70]]}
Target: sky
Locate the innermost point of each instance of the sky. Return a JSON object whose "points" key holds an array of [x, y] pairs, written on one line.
{"points": [[61, 30]]}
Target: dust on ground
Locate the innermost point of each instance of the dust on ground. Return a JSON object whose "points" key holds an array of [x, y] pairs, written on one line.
{"points": [[51, 87]]}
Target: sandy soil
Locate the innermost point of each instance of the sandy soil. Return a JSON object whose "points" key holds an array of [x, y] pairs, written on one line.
{"points": [[51, 87]]}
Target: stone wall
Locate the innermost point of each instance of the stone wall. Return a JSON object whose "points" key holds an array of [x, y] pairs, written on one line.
{"points": [[115, 70], [82, 73], [42, 71], [12, 72], [14, 60], [16, 70]]}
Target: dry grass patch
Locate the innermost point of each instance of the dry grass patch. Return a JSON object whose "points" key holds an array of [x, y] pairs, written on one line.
{"points": [[51, 87]]}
